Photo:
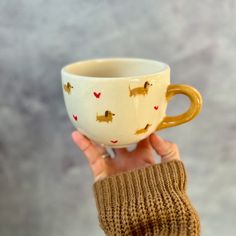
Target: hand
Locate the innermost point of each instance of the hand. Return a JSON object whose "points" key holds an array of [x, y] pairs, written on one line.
{"points": [[124, 160]]}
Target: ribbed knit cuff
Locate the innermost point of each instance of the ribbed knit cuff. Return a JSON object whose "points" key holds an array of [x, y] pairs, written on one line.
{"points": [[149, 200], [152, 180]]}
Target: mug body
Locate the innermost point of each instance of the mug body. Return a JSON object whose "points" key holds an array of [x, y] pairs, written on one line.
{"points": [[116, 102]]}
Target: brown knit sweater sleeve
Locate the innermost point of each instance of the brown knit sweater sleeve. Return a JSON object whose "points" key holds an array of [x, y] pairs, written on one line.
{"points": [[147, 201]]}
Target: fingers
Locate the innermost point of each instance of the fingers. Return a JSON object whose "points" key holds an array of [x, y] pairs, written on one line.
{"points": [[90, 150], [166, 150], [99, 148], [144, 144]]}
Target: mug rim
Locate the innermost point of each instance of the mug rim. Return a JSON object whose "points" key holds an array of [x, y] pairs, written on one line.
{"points": [[164, 69]]}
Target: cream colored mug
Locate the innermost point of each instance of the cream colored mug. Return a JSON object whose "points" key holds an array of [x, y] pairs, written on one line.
{"points": [[117, 102]]}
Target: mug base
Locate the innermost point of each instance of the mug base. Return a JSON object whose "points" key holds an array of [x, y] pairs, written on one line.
{"points": [[118, 146]]}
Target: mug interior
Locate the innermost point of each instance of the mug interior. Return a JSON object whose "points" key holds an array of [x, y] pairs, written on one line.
{"points": [[115, 67]]}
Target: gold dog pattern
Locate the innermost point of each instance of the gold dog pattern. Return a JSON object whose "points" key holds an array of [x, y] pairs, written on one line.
{"points": [[143, 130], [107, 117], [68, 87], [140, 90]]}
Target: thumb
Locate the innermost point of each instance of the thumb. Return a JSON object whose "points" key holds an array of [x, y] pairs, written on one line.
{"points": [[168, 151]]}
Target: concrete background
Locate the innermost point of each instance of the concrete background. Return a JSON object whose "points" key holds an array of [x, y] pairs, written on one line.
{"points": [[45, 182]]}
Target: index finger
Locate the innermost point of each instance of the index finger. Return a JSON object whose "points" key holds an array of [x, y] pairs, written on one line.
{"points": [[90, 150]]}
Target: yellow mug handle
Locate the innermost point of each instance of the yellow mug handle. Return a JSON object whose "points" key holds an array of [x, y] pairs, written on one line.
{"points": [[194, 109]]}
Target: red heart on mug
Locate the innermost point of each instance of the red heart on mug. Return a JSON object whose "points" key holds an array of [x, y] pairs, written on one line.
{"points": [[75, 117], [97, 95], [114, 141], [156, 107]]}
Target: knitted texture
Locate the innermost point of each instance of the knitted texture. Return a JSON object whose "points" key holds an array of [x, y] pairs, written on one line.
{"points": [[146, 201]]}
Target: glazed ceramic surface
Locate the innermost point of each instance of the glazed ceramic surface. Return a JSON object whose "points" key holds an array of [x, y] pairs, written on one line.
{"points": [[120, 101]]}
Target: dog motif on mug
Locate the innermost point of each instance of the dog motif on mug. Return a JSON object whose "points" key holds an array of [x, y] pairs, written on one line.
{"points": [[143, 130], [68, 87], [107, 117], [140, 90]]}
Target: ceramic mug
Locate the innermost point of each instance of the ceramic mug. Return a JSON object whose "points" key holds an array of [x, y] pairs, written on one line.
{"points": [[117, 102]]}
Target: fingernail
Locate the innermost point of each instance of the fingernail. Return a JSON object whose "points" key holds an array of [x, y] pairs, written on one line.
{"points": [[74, 133], [159, 137], [154, 135]]}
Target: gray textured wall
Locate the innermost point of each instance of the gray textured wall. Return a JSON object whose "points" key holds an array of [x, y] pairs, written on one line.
{"points": [[45, 183]]}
